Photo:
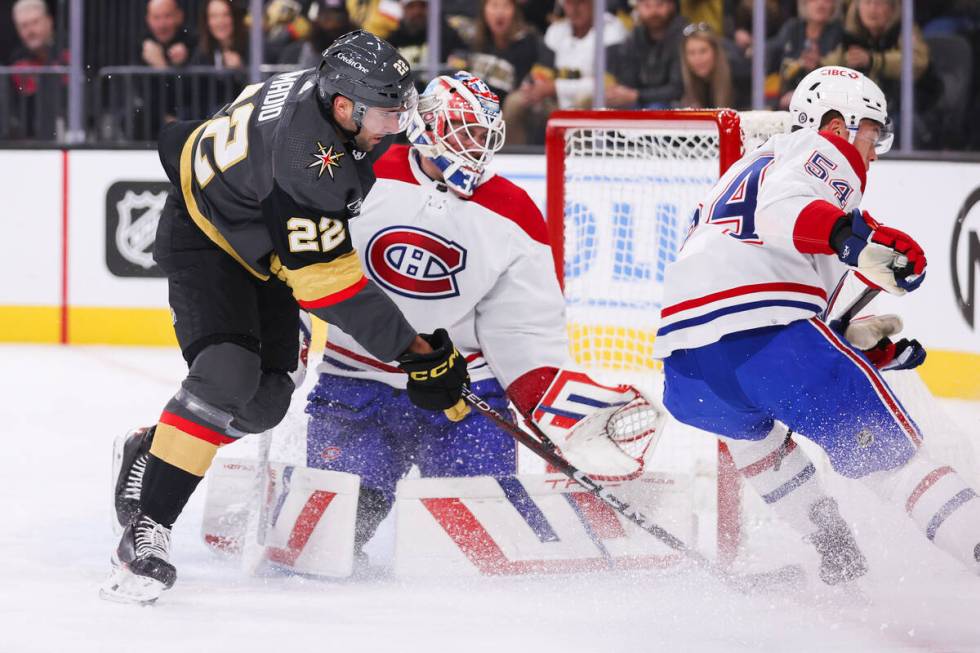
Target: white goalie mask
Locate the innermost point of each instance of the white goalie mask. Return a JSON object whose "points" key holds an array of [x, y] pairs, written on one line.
{"points": [[458, 125], [854, 96]]}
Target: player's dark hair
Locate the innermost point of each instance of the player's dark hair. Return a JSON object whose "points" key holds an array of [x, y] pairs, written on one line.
{"points": [[830, 115]]}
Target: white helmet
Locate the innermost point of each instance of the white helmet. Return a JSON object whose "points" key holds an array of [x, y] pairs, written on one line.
{"points": [[458, 125], [854, 96]]}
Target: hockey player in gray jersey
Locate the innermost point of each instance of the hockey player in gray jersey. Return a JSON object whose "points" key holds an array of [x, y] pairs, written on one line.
{"points": [[255, 229]]}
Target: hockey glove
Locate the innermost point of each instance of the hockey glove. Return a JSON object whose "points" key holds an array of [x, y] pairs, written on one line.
{"points": [[887, 257], [872, 335], [436, 379]]}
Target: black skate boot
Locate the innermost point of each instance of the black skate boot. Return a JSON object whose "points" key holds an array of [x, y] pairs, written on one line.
{"points": [[840, 558], [141, 564], [129, 456]]}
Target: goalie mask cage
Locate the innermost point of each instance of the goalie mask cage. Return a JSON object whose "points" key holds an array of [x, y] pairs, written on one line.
{"points": [[621, 189]]}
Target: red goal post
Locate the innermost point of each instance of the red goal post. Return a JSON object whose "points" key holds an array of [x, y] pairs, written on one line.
{"points": [[621, 187]]}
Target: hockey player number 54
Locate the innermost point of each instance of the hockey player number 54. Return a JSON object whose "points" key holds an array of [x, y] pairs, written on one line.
{"points": [[228, 148]]}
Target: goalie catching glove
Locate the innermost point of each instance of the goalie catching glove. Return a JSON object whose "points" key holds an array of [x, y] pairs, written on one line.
{"points": [[436, 379], [605, 431], [872, 335], [887, 257]]}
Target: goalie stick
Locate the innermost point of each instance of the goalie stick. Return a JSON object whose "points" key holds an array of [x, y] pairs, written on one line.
{"points": [[545, 449], [253, 543]]}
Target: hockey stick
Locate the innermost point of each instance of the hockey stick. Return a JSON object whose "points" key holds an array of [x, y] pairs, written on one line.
{"points": [[856, 306], [545, 449], [253, 543]]}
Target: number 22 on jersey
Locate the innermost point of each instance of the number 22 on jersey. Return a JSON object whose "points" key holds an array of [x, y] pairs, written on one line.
{"points": [[229, 136]]}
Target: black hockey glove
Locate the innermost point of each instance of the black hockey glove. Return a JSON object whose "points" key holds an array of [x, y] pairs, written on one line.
{"points": [[436, 379]]}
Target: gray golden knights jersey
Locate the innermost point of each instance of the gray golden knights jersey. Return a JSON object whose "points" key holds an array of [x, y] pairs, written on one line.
{"points": [[273, 182]]}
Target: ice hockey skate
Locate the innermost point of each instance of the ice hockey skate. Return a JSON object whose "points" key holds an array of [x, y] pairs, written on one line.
{"points": [[141, 564], [841, 560], [129, 456]]}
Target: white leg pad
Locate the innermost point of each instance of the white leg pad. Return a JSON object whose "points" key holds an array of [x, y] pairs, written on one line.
{"points": [[311, 515]]}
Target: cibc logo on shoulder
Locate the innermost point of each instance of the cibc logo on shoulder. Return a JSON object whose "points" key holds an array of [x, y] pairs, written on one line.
{"points": [[415, 263]]}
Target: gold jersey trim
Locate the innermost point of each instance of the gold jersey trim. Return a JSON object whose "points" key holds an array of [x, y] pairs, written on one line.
{"points": [[205, 225], [319, 280]]}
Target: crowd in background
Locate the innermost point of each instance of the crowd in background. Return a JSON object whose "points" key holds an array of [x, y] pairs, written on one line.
{"points": [[536, 54]]}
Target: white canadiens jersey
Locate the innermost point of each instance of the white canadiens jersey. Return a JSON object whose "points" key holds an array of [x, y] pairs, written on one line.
{"points": [[575, 58], [480, 268], [741, 267]]}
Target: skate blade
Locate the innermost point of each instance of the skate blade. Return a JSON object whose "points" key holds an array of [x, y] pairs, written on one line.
{"points": [[123, 586]]}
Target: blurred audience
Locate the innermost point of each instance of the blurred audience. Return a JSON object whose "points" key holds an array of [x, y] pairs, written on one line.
{"points": [[331, 22], [505, 49], [39, 97], [776, 14], [167, 41], [376, 16], [222, 36], [570, 84], [705, 70], [803, 42], [411, 37], [872, 44], [285, 24], [711, 12], [647, 64]]}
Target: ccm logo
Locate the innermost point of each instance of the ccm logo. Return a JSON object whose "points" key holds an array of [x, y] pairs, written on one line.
{"points": [[437, 371], [415, 263]]}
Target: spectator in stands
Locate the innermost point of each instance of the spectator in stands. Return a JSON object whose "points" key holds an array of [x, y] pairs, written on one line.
{"points": [[285, 24], [777, 12], [39, 98], [647, 65], [705, 69], [537, 13], [222, 36], [872, 45], [570, 85], [804, 41], [705, 11], [167, 42], [331, 22], [411, 37], [505, 49], [376, 16]]}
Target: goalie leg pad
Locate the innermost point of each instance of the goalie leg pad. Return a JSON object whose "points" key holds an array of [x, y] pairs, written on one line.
{"points": [[311, 515]]}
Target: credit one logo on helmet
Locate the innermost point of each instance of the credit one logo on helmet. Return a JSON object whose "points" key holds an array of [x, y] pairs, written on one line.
{"points": [[965, 257], [415, 263], [132, 212]]}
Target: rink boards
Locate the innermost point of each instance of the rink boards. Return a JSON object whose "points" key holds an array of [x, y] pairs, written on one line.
{"points": [[80, 224]]}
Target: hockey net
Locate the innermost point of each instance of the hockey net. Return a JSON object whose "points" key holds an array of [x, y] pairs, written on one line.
{"points": [[622, 187]]}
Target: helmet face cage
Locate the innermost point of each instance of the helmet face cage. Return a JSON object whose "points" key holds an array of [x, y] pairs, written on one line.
{"points": [[460, 127], [854, 96]]}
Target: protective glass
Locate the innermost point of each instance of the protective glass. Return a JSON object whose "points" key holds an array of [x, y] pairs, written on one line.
{"points": [[391, 121]]}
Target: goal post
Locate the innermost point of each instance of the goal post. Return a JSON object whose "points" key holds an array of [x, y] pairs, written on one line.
{"points": [[621, 189]]}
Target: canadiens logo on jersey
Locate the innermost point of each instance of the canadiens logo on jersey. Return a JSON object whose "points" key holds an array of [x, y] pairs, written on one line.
{"points": [[326, 159], [415, 263]]}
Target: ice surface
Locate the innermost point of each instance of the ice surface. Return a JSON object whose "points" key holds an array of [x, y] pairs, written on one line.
{"points": [[61, 407]]}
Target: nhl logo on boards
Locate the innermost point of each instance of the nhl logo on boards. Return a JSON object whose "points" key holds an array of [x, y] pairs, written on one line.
{"points": [[132, 212], [415, 263]]}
